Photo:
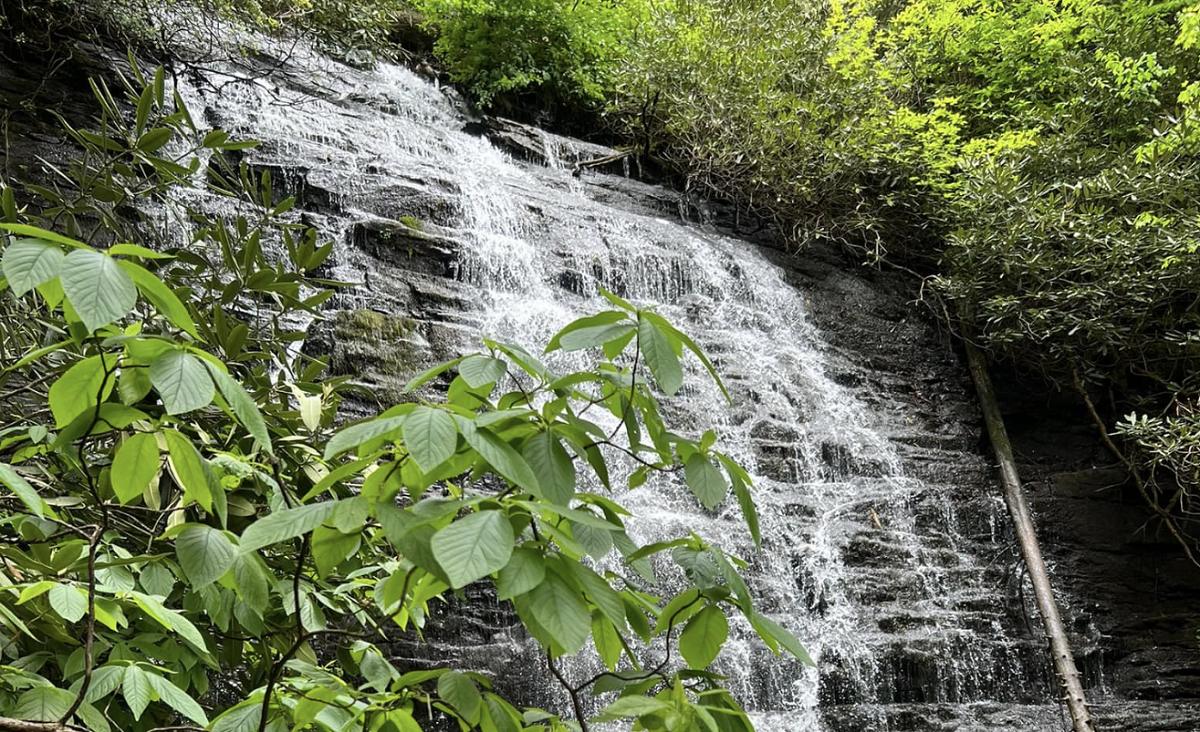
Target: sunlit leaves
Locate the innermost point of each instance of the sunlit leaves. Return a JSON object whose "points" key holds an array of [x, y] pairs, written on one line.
{"points": [[431, 437], [99, 289], [134, 466], [473, 547], [205, 554], [28, 263], [182, 381], [286, 524], [702, 638]]}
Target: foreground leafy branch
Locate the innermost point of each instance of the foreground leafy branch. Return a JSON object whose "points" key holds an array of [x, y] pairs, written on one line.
{"points": [[177, 517]]}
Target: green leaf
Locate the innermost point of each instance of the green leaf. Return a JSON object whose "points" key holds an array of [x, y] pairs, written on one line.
{"points": [[607, 640], [188, 468], [177, 699], [561, 612], [69, 602], [42, 234], [705, 481], [93, 718], [43, 704], [97, 287], [480, 371], [701, 641], [608, 317], [500, 455], [135, 465], [137, 690], [473, 547], [286, 524], [156, 579], [76, 392], [22, 489], [595, 336], [524, 571], [182, 381], [461, 693], [135, 250], [553, 467], [159, 295], [430, 374], [29, 263], [205, 554], [765, 627], [242, 404], [105, 680], [676, 335], [431, 437], [243, 717], [356, 434], [169, 619], [660, 357], [632, 706], [252, 582]]}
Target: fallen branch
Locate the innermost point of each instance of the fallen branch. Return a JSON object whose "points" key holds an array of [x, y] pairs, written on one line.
{"points": [[1018, 508]]}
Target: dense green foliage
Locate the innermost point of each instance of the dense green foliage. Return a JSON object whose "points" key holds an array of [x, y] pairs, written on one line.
{"points": [[190, 537], [559, 52]]}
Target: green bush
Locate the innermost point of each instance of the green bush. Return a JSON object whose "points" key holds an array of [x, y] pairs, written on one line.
{"points": [[559, 52]]}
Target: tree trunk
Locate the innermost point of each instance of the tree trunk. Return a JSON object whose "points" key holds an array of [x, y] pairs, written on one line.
{"points": [[1014, 496]]}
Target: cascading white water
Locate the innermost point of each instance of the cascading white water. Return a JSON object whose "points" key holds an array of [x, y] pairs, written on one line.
{"points": [[532, 248]]}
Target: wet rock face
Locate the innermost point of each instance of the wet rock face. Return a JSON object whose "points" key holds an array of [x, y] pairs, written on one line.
{"points": [[941, 633]]}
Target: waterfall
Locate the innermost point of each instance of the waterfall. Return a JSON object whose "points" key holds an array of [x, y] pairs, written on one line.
{"points": [[864, 557]]}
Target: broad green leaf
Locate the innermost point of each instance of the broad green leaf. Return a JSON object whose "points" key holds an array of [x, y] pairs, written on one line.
{"points": [[43, 704], [177, 699], [252, 582], [524, 571], [608, 317], [432, 373], [331, 547], [205, 554], [705, 481], [561, 612], [69, 602], [553, 467], [632, 706], [135, 465], [607, 640], [22, 489], [660, 357], [500, 455], [156, 579], [460, 692], [243, 717], [137, 690], [135, 250], [701, 641], [105, 680], [242, 404], [357, 434], [42, 234], [182, 381], [29, 263], [480, 371], [473, 547], [77, 391], [160, 296], [188, 468], [765, 627], [169, 619], [598, 335], [286, 524], [675, 334], [431, 437], [93, 718], [99, 289]]}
